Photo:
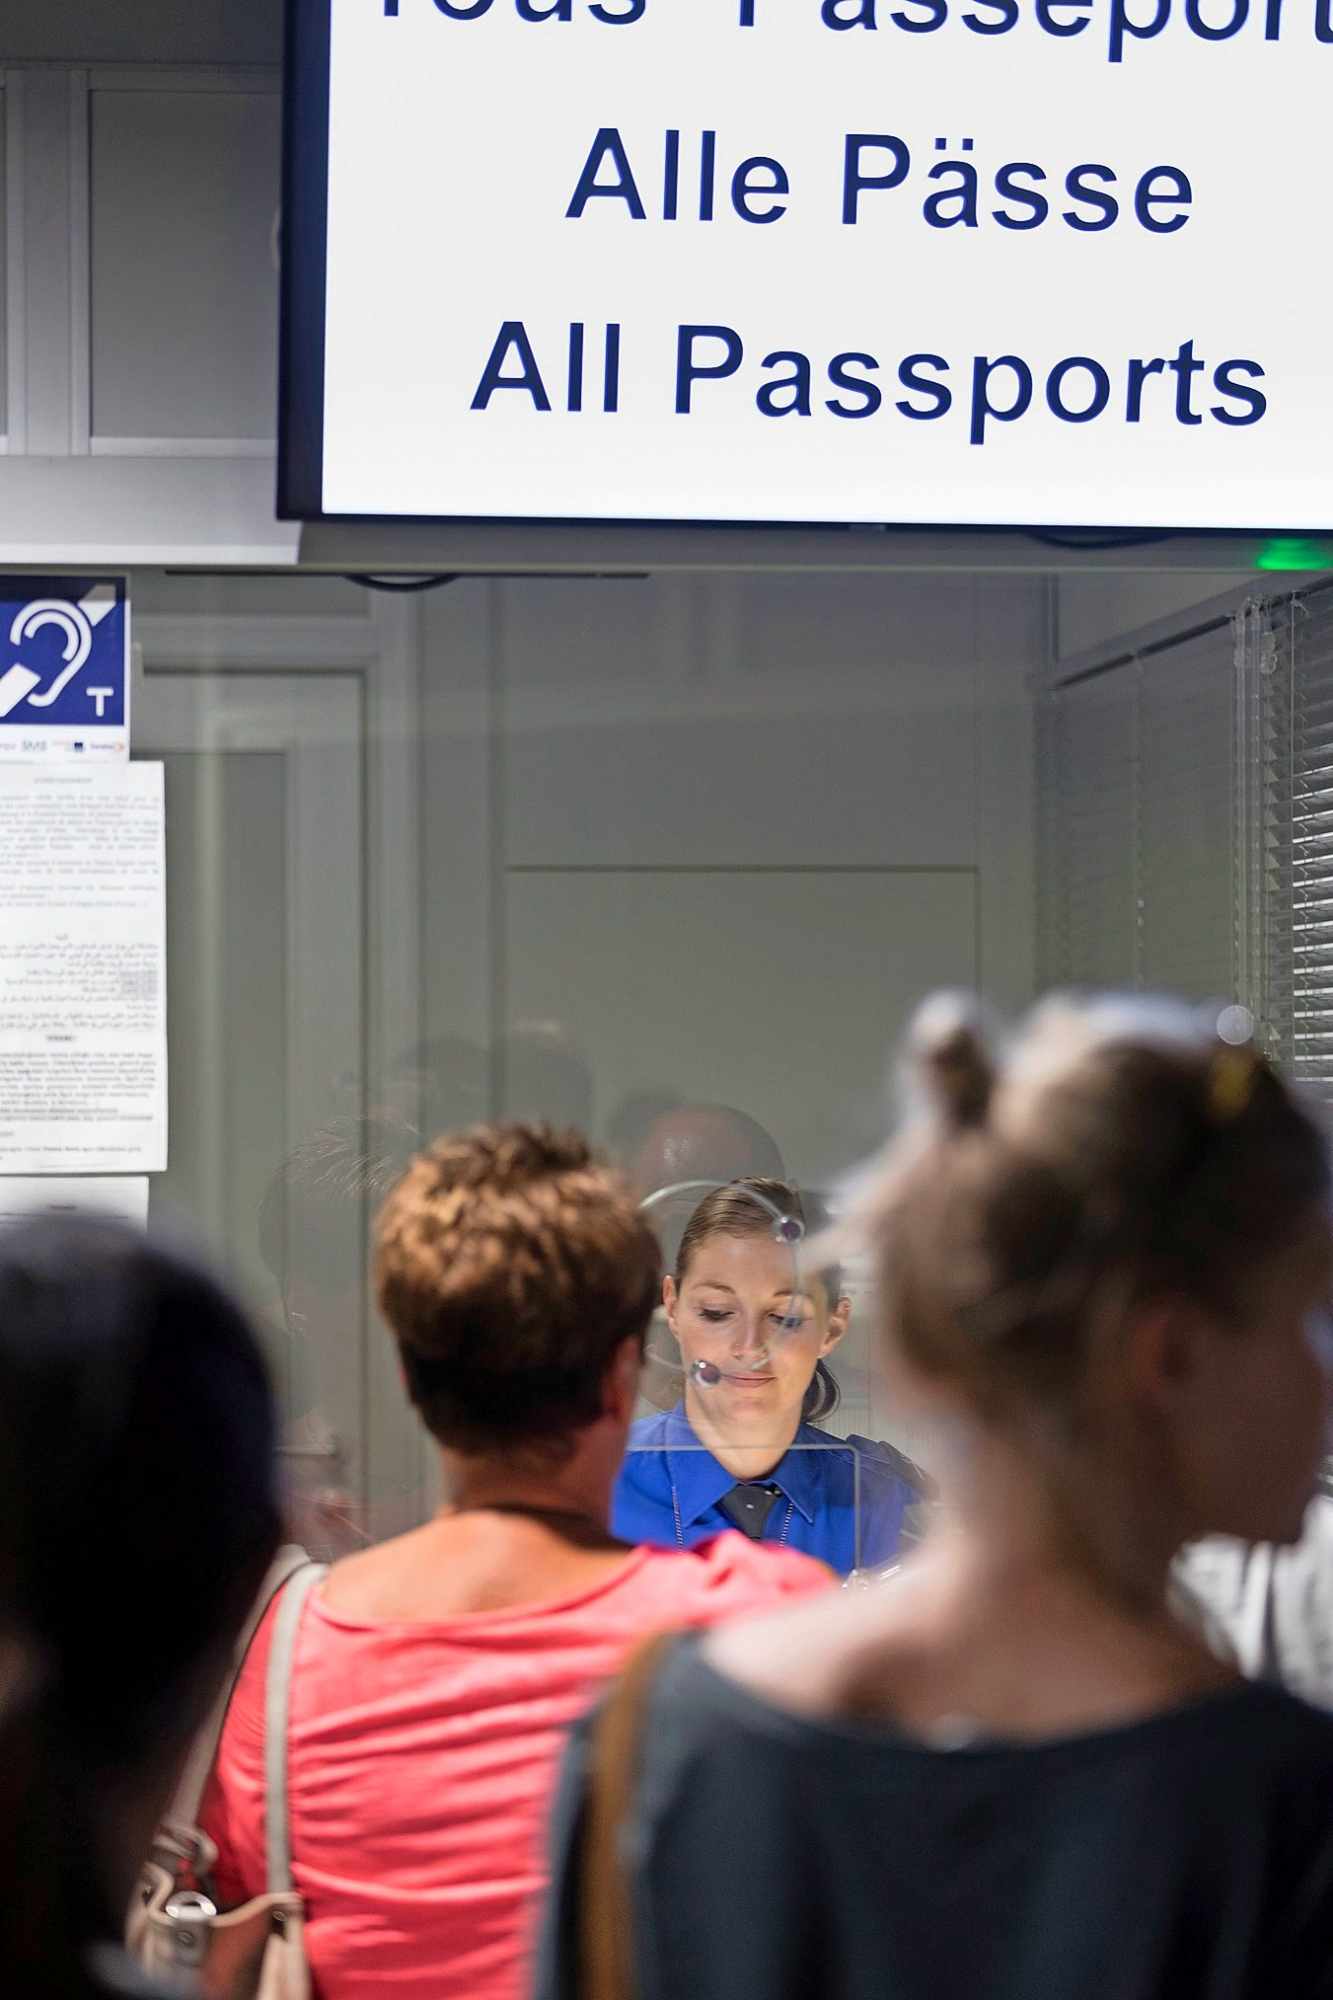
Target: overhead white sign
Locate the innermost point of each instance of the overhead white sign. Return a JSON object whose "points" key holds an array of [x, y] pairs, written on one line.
{"points": [[64, 670], [941, 261], [83, 1023]]}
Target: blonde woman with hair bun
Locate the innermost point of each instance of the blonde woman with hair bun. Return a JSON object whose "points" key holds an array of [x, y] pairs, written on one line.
{"points": [[1012, 1772]]}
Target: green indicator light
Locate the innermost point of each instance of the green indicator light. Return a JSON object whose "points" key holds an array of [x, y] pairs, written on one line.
{"points": [[1291, 552]]}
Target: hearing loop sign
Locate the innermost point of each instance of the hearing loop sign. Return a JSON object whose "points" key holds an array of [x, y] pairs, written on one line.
{"points": [[64, 669]]}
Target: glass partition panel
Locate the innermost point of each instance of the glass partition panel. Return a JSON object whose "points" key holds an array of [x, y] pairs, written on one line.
{"points": [[670, 859]]}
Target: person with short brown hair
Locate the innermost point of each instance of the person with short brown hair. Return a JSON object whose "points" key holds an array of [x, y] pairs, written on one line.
{"points": [[436, 1675], [514, 1271]]}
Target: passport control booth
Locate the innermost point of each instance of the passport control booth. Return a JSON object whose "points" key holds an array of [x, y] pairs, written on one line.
{"points": [[641, 537]]}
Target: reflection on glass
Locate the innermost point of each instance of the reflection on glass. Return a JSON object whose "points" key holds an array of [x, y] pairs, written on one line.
{"points": [[690, 1148], [750, 1322], [313, 1226]]}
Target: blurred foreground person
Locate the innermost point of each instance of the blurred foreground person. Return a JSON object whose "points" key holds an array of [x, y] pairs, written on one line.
{"points": [[137, 1519], [1010, 1771], [436, 1675]]}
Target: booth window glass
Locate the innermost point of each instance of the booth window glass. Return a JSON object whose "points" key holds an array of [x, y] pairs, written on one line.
{"points": [[671, 859]]}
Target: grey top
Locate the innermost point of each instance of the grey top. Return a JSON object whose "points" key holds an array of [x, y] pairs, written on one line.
{"points": [[1185, 1857]]}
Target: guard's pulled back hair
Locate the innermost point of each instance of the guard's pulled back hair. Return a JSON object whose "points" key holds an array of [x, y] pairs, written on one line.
{"points": [[511, 1266], [1121, 1150]]}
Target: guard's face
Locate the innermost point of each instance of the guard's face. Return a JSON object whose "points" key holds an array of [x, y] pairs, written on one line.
{"points": [[748, 1310]]}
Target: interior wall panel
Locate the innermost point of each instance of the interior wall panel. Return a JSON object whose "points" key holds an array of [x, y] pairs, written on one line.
{"points": [[183, 269]]}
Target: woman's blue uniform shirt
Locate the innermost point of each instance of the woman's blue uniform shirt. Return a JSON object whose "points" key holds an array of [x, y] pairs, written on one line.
{"points": [[670, 1488]]}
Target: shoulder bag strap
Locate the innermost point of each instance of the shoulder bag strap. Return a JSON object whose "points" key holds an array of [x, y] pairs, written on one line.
{"points": [[203, 1753], [277, 1713], [606, 1915]]}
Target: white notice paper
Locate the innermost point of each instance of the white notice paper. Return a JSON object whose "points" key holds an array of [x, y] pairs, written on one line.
{"points": [[83, 1025], [109, 1197]]}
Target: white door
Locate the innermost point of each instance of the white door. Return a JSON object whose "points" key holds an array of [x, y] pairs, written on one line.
{"points": [[271, 993]]}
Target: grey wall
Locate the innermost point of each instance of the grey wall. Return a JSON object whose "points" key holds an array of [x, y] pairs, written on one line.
{"points": [[1097, 610], [706, 836], [722, 833], [715, 836]]}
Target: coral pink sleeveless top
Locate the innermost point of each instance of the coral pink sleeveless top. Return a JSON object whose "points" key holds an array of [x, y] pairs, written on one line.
{"points": [[423, 1758]]}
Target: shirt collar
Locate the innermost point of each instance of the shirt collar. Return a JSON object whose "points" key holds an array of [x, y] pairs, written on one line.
{"points": [[700, 1482], [801, 1474]]}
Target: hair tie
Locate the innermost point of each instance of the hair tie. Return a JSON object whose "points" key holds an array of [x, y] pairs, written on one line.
{"points": [[1233, 1077]]}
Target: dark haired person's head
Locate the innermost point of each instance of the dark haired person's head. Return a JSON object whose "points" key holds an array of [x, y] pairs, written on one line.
{"points": [[753, 1316], [137, 1517], [704, 1142], [691, 1146], [1113, 1248], [519, 1279]]}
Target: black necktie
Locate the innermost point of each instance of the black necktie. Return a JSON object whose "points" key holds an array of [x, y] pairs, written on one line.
{"points": [[749, 1506]]}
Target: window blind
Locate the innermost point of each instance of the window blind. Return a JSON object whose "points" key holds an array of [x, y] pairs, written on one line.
{"points": [[1286, 670], [1138, 765], [1087, 840]]}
